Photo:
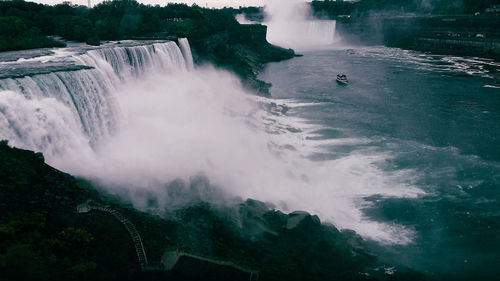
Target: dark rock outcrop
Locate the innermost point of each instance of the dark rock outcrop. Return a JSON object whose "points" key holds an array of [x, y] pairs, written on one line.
{"points": [[243, 50]]}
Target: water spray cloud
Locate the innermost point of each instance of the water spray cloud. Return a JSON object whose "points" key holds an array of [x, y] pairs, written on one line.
{"points": [[178, 124], [290, 24]]}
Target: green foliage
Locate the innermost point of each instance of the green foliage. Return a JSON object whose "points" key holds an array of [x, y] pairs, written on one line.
{"points": [[20, 262], [75, 237], [15, 34], [93, 40], [30, 249], [31, 229], [113, 20], [83, 269], [12, 26], [72, 27], [28, 221]]}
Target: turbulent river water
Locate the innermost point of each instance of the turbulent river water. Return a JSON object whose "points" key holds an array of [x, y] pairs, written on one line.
{"points": [[428, 122], [406, 154]]}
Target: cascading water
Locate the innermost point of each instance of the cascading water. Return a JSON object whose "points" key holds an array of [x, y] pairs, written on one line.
{"points": [[90, 93], [186, 51], [322, 30], [129, 62], [143, 118]]}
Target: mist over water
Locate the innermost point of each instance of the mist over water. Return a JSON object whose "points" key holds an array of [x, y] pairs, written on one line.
{"points": [[291, 24], [179, 123]]}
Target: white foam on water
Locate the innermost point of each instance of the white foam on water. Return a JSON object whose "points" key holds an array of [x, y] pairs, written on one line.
{"points": [[177, 122], [438, 63], [491, 86]]}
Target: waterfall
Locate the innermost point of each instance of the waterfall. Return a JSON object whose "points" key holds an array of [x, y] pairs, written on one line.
{"points": [[87, 93], [130, 62], [144, 125], [300, 35], [90, 93], [322, 32], [186, 51], [290, 25]]}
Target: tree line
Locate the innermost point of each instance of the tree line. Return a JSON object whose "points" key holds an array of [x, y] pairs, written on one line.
{"points": [[25, 25], [336, 8]]}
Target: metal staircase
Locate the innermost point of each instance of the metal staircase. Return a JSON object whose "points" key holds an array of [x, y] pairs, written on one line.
{"points": [[129, 226], [170, 258]]}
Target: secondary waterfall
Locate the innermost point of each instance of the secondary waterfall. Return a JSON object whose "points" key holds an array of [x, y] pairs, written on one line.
{"points": [[290, 25], [301, 35], [321, 31]]}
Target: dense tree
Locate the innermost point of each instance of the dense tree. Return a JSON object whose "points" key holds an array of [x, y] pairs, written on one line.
{"points": [[110, 20], [15, 34]]}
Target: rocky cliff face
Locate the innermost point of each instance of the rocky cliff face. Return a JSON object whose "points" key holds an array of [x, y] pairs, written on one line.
{"points": [[244, 51]]}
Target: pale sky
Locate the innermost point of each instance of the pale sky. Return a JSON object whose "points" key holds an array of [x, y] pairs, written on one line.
{"points": [[203, 3]]}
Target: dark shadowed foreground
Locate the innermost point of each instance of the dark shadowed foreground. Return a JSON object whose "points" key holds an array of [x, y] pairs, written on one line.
{"points": [[44, 238]]}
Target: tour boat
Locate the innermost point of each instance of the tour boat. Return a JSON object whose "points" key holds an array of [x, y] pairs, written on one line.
{"points": [[341, 79]]}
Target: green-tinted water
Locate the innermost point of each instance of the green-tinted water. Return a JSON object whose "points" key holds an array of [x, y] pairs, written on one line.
{"points": [[437, 119]]}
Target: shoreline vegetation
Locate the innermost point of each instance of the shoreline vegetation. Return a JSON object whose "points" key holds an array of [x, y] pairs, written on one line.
{"points": [[215, 35], [15, 34]]}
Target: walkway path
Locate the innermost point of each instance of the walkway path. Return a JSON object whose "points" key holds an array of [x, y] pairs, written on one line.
{"points": [[170, 258], [132, 231]]}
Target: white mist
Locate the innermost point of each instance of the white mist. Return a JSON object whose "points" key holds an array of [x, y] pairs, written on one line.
{"points": [[291, 25], [182, 123]]}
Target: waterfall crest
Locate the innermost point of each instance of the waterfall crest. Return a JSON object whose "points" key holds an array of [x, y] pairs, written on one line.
{"points": [[90, 93]]}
